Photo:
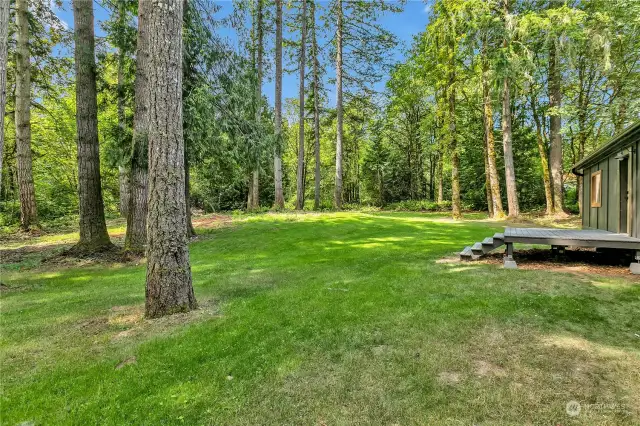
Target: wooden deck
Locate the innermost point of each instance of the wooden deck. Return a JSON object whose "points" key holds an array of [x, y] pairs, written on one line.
{"points": [[570, 238]]}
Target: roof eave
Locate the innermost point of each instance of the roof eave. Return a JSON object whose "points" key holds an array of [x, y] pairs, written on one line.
{"points": [[617, 143]]}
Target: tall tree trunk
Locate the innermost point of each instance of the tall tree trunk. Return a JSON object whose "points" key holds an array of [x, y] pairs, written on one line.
{"points": [[542, 151], [316, 107], [507, 143], [438, 131], [28, 211], [456, 209], [487, 181], [494, 182], [583, 100], [277, 158], [136, 235], [253, 201], [123, 172], [93, 228], [169, 288], [191, 231], [337, 197], [125, 190], [555, 126], [507, 136], [4, 33], [440, 176], [188, 75], [300, 176]]}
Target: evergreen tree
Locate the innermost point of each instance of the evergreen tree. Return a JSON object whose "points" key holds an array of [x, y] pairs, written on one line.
{"points": [[169, 288], [93, 228]]}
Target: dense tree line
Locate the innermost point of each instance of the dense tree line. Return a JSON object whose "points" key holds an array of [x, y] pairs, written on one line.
{"points": [[511, 91]]}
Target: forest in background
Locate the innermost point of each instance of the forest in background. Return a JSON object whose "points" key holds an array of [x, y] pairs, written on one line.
{"points": [[494, 103]]}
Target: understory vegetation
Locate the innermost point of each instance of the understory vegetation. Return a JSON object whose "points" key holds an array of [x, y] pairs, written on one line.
{"points": [[318, 318]]}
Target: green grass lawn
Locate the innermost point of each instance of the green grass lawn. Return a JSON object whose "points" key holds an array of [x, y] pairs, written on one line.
{"points": [[349, 318]]}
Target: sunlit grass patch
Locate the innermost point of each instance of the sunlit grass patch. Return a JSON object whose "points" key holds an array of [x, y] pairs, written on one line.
{"points": [[334, 318]]}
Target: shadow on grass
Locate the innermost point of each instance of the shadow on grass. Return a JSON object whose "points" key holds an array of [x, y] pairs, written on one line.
{"points": [[303, 294]]}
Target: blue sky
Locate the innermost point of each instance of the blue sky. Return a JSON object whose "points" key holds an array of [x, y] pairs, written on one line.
{"points": [[411, 21]]}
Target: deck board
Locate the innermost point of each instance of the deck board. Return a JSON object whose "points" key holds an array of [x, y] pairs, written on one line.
{"points": [[571, 237]]}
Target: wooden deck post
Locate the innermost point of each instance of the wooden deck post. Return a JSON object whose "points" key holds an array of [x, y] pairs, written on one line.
{"points": [[635, 266], [509, 262]]}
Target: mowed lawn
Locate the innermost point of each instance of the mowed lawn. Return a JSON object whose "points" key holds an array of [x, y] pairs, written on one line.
{"points": [[329, 319]]}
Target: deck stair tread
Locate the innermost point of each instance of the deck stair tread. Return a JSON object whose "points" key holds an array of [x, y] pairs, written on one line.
{"points": [[480, 249], [477, 247], [487, 241], [468, 254]]}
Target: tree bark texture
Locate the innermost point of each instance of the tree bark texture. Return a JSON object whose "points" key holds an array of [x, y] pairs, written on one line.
{"points": [[136, 236], [277, 158], [507, 145], [316, 107], [253, 199], [191, 231], [28, 211], [4, 33], [494, 182], [544, 162], [123, 172], [169, 288], [487, 181], [507, 135], [93, 228], [456, 209], [337, 197], [300, 174], [125, 193], [555, 126]]}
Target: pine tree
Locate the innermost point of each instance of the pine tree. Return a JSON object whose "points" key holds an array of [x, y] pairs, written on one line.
{"points": [[301, 116], [253, 198], [169, 288], [93, 227], [507, 134], [337, 196], [277, 156], [28, 210], [4, 32], [316, 105], [555, 128], [136, 235], [494, 183]]}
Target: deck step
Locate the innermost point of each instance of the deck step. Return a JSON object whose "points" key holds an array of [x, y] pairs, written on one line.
{"points": [[478, 250], [487, 241], [467, 254]]}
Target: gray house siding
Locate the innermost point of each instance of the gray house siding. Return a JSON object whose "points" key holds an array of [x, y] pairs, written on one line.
{"points": [[603, 160], [635, 173], [607, 217]]}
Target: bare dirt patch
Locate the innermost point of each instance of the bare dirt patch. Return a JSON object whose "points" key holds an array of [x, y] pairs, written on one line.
{"points": [[576, 261], [450, 378], [20, 254], [487, 369], [212, 221], [132, 317]]}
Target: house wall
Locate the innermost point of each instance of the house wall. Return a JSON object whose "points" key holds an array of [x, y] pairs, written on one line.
{"points": [[635, 173], [607, 217]]}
